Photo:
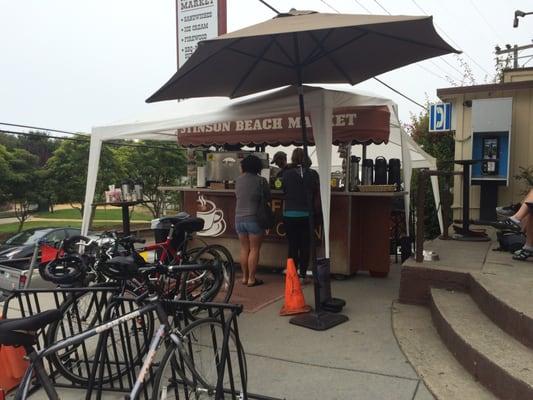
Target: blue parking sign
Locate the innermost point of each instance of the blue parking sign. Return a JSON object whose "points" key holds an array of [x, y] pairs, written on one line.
{"points": [[440, 117]]}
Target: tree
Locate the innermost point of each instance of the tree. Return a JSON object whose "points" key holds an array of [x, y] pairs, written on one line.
{"points": [[441, 146], [8, 141], [38, 144], [23, 183], [160, 165], [66, 172], [5, 174]]}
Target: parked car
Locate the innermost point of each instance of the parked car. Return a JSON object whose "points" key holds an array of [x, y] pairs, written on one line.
{"points": [[16, 253]]}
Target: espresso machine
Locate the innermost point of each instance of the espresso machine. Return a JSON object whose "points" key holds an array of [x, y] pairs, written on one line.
{"points": [[225, 166]]}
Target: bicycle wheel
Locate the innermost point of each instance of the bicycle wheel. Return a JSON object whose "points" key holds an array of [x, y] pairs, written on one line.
{"points": [[125, 344], [190, 370], [199, 284]]}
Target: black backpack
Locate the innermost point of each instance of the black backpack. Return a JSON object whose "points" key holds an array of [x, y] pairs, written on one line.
{"points": [[510, 241]]}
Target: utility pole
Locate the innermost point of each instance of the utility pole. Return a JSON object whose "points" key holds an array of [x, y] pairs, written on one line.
{"points": [[514, 49]]}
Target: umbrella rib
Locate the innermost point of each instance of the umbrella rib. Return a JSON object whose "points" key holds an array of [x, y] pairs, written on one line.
{"points": [[268, 60], [327, 53], [192, 69], [332, 60], [316, 50], [285, 53], [252, 67], [405, 39]]}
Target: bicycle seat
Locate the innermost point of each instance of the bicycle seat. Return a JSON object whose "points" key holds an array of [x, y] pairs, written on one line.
{"points": [[21, 331], [183, 222]]}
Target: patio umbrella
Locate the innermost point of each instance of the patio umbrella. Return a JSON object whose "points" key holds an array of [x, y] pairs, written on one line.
{"points": [[303, 47]]}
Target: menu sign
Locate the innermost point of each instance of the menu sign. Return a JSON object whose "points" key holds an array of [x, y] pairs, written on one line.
{"points": [[198, 20]]}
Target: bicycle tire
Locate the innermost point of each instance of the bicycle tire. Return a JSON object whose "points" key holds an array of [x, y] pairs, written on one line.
{"points": [[74, 363], [206, 254], [183, 367], [228, 266]]}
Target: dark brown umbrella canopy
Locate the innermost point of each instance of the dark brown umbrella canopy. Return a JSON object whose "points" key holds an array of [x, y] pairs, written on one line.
{"points": [[323, 48]]}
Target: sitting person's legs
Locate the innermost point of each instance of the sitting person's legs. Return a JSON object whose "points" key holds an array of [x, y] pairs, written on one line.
{"points": [[524, 209], [517, 220], [527, 251]]}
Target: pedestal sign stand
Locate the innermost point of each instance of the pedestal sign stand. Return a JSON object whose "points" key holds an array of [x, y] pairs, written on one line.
{"points": [[125, 205], [464, 233]]}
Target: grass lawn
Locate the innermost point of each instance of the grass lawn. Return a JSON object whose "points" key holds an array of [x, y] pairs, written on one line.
{"points": [[109, 213], [7, 230]]}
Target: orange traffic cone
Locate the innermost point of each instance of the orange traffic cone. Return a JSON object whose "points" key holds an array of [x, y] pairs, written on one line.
{"points": [[294, 297]]}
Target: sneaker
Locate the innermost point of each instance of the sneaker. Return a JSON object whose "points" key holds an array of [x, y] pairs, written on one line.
{"points": [[508, 224], [508, 210]]}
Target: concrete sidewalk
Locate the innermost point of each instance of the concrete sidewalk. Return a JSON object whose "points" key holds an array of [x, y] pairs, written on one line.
{"points": [[359, 359]]}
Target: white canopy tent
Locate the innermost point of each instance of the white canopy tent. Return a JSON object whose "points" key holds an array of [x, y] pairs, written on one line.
{"points": [[167, 118]]}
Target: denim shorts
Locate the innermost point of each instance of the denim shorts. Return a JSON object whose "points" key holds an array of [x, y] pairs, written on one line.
{"points": [[248, 227]]}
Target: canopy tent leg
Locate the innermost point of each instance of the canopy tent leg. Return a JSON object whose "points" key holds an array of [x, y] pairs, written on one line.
{"points": [[92, 173]]}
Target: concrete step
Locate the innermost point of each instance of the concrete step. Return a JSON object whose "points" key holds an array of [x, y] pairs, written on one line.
{"points": [[505, 297], [444, 377], [500, 362]]}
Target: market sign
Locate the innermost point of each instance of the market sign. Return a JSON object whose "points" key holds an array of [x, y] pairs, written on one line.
{"points": [[440, 117], [198, 20], [365, 124]]}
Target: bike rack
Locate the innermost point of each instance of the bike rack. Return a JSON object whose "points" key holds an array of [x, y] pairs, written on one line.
{"points": [[119, 352]]}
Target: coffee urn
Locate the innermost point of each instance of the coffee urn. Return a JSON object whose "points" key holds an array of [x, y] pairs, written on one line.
{"points": [[395, 173], [354, 173], [380, 171], [368, 171]]}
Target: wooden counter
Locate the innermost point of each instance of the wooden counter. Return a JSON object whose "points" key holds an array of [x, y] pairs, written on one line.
{"points": [[359, 228]]}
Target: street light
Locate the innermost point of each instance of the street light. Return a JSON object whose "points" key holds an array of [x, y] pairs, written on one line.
{"points": [[517, 14]]}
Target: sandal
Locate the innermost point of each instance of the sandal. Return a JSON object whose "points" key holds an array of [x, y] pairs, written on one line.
{"points": [[522, 254], [257, 282]]}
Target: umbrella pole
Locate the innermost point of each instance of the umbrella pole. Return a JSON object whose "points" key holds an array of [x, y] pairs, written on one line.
{"points": [[318, 319]]}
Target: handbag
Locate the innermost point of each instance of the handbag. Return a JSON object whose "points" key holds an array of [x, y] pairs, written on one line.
{"points": [[265, 216]]}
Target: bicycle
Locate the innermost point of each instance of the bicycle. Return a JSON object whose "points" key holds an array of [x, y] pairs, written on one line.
{"points": [[174, 250], [182, 369]]}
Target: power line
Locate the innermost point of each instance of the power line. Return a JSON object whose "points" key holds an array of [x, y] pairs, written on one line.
{"points": [[450, 39], [333, 8], [383, 8], [41, 129], [363, 7], [86, 139], [389, 86], [447, 74], [486, 21], [400, 93]]}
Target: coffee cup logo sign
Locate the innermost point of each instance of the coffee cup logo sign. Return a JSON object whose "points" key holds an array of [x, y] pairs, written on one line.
{"points": [[214, 222]]}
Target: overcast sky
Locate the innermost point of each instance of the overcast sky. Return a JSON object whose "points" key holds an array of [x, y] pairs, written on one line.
{"points": [[73, 64]]}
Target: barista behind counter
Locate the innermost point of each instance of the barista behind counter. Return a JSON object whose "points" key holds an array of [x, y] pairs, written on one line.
{"points": [[280, 160]]}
